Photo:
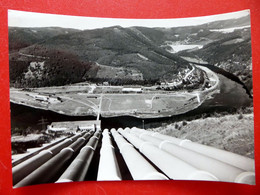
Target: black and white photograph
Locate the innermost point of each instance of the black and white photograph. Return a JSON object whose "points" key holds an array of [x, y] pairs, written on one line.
{"points": [[112, 99]]}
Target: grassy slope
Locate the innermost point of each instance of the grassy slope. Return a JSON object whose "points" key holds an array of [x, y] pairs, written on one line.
{"points": [[234, 133]]}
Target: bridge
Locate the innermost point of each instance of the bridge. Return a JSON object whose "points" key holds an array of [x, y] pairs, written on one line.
{"points": [[130, 154]]}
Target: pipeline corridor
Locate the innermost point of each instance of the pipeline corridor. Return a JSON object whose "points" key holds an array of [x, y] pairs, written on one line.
{"points": [[130, 154]]}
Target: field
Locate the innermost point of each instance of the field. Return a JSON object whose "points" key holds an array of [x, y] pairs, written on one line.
{"points": [[134, 104], [75, 103]]}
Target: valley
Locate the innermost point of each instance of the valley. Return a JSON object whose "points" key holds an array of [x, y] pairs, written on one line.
{"points": [[190, 82], [128, 71]]}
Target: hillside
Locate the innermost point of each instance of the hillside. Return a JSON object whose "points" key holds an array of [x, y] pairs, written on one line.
{"points": [[24, 37], [134, 55], [234, 133], [59, 68], [193, 34], [127, 49], [225, 44]]}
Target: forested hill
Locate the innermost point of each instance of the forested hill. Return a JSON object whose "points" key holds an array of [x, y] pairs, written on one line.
{"points": [[126, 49], [57, 56], [24, 37]]}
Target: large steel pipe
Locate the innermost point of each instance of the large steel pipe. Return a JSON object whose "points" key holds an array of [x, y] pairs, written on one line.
{"points": [[139, 168], [77, 144], [50, 168], [26, 167], [79, 167], [135, 130], [173, 167], [23, 169], [57, 148], [88, 134], [16, 162], [223, 171], [108, 168], [239, 161], [45, 172]]}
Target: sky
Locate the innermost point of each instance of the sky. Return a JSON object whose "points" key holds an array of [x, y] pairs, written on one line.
{"points": [[33, 19]]}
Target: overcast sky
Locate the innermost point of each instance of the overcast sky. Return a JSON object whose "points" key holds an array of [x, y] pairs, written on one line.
{"points": [[32, 19]]}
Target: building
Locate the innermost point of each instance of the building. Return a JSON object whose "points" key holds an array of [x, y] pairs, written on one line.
{"points": [[132, 89], [73, 126]]}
